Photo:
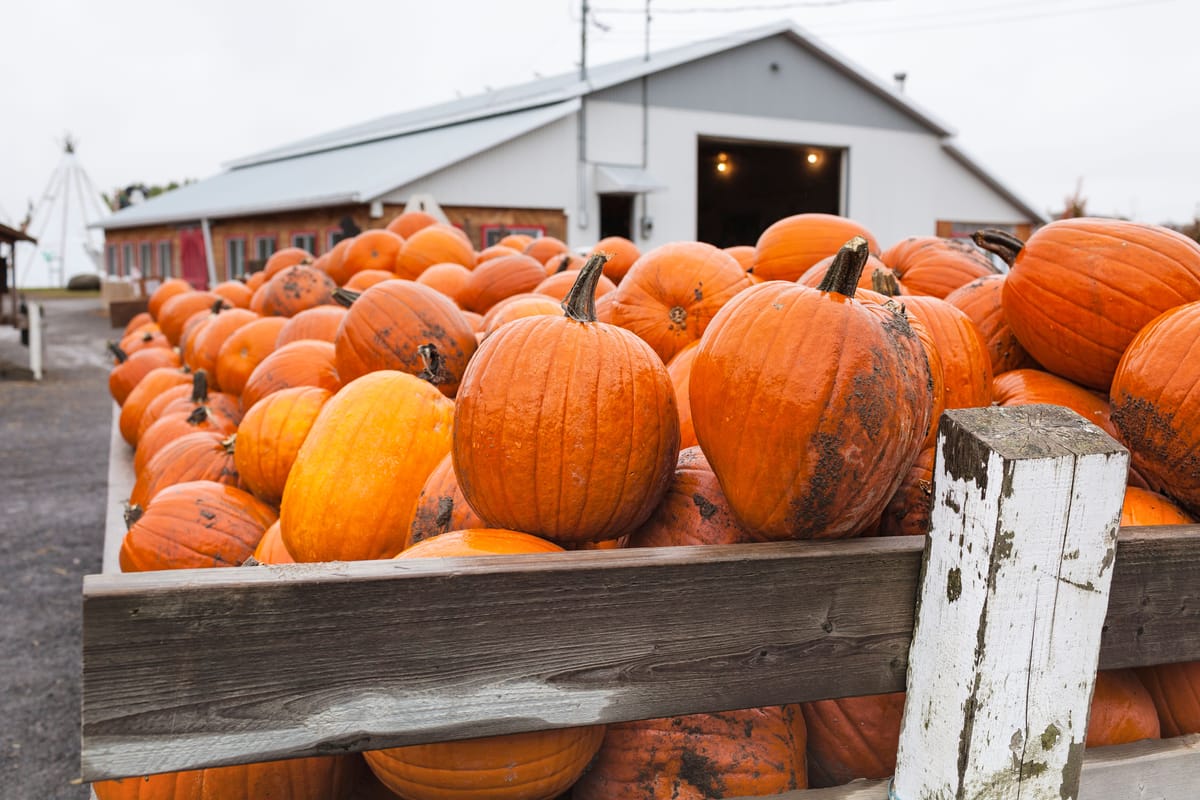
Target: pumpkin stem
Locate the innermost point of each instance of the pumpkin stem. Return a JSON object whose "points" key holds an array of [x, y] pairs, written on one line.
{"points": [[1000, 242], [132, 514], [199, 386], [120, 355], [435, 366], [147, 336], [251, 561], [198, 415], [885, 283], [580, 302], [563, 262], [345, 297], [229, 444], [218, 306], [846, 268]]}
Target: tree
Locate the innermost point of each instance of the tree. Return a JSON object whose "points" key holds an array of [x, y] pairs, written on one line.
{"points": [[135, 193]]}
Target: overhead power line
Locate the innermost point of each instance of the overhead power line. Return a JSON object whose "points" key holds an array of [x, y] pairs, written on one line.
{"points": [[736, 9]]}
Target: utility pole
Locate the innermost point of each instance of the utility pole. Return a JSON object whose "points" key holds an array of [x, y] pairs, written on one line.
{"points": [[583, 23]]}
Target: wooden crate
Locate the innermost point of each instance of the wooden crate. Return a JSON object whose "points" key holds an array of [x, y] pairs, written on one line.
{"points": [[995, 624]]}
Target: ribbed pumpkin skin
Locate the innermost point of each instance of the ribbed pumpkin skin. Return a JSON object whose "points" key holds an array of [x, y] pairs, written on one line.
{"points": [[179, 398], [746, 753], [498, 278], [623, 253], [853, 384], [155, 382], [1122, 710], [565, 429], [1144, 507], [448, 279], [853, 737], [320, 323], [202, 456], [933, 266], [523, 766], [361, 281], [680, 370], [236, 293], [441, 507], [409, 222], [125, 377], [670, 295], [244, 350], [320, 778], [1175, 690], [907, 513], [386, 325], [176, 311], [1025, 387], [295, 289], [787, 248], [145, 338], [353, 487], [196, 524], [1081, 289], [205, 345], [271, 549], [693, 511], [270, 436], [282, 259], [166, 290], [435, 244], [519, 306], [966, 365], [303, 363], [543, 248], [981, 301], [174, 425], [1155, 405], [373, 249]]}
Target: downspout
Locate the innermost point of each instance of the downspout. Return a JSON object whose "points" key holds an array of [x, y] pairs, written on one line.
{"points": [[208, 252], [581, 167]]}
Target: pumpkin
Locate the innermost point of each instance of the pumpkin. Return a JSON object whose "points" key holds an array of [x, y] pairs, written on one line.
{"points": [[176, 311], [434, 244], [907, 513], [194, 524], [565, 427], [1155, 406], [680, 370], [155, 382], [672, 293], [1175, 691], [204, 346], [693, 511], [1025, 387], [270, 548], [563, 262], [748, 753], [201, 456], [441, 507], [527, 304], [966, 365], [186, 397], [559, 284], [543, 248], [810, 404], [134, 367], [334, 264], [145, 338], [361, 281], [244, 350], [495, 251], [353, 487], [295, 289], [373, 249], [524, 766], [270, 436], [874, 272], [236, 293], [320, 323], [788, 247], [449, 279], [1144, 507], [165, 291], [179, 418], [137, 322], [516, 241], [744, 255], [317, 778], [622, 253], [283, 259], [498, 278], [933, 266], [303, 363], [1079, 290], [253, 281], [407, 223], [981, 300], [853, 737], [1122, 710]]}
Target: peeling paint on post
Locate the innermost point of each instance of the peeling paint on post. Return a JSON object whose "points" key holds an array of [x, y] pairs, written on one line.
{"points": [[1007, 633]]}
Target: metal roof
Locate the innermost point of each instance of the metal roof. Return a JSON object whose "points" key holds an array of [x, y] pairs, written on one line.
{"points": [[345, 175]]}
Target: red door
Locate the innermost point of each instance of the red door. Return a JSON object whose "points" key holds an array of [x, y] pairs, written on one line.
{"points": [[192, 258]]}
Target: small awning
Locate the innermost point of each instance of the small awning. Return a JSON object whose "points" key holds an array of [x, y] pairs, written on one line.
{"points": [[625, 180]]}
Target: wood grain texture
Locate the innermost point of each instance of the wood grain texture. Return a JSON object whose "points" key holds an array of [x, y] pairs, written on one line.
{"points": [[1166, 769], [193, 668]]}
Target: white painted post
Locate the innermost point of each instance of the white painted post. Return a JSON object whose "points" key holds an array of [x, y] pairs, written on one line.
{"points": [[36, 347], [1014, 591]]}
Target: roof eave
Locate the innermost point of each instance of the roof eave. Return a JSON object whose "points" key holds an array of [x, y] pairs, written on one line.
{"points": [[995, 185], [115, 223]]}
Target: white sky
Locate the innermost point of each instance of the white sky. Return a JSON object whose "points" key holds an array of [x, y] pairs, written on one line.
{"points": [[1041, 92]]}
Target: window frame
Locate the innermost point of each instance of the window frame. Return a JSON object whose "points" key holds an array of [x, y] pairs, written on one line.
{"points": [[235, 271]]}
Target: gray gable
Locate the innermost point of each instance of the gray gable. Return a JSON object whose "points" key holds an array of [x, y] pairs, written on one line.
{"points": [[742, 81]]}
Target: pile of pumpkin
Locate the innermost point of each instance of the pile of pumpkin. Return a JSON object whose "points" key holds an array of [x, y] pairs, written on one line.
{"points": [[405, 396]]}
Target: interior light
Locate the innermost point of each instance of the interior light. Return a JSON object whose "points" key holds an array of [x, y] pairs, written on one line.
{"points": [[722, 166], [813, 158]]}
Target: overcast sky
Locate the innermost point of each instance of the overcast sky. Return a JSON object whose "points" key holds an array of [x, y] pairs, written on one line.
{"points": [[1043, 93]]}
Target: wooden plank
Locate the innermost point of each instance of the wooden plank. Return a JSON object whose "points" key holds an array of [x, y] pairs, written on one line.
{"points": [[285, 655], [1166, 769], [1018, 565], [120, 484]]}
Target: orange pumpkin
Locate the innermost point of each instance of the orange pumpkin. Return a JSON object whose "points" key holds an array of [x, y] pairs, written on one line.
{"points": [[874, 272], [317, 778], [934, 266], [1175, 690], [335, 265], [320, 323], [176, 311], [186, 397], [981, 301], [966, 365], [270, 436], [1122, 710], [373, 249], [244, 350], [166, 290], [1024, 387], [303, 363], [622, 254], [527, 304], [236, 293], [407, 223], [495, 251], [449, 279], [434, 244], [189, 416], [559, 284], [543, 248], [201, 456], [282, 259], [788, 247], [361, 281], [133, 367], [1144, 507], [581, 447], [295, 289], [672, 293], [498, 278], [516, 241], [372, 448], [853, 737], [270, 548], [441, 507], [204, 346], [744, 254], [680, 370], [857, 413], [155, 382], [907, 513]]}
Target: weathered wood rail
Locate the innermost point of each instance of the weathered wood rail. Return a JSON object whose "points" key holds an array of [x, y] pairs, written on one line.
{"points": [[196, 668]]}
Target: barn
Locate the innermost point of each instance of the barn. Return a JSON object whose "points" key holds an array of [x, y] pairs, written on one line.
{"points": [[711, 141]]}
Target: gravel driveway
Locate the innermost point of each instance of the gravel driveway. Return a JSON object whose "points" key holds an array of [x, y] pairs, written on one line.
{"points": [[54, 439]]}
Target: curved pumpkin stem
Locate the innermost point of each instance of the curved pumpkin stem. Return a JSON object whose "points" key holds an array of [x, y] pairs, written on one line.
{"points": [[147, 336], [120, 355], [563, 263], [218, 306], [198, 415], [345, 297], [1000, 242], [229, 444], [199, 386], [580, 302], [847, 267], [132, 514], [885, 283], [435, 366]]}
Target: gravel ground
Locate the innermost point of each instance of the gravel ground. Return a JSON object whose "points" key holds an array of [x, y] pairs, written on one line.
{"points": [[54, 439]]}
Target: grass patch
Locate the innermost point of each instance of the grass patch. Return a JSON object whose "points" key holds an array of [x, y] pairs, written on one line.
{"points": [[58, 294]]}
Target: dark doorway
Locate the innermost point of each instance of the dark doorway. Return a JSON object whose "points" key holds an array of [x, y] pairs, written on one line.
{"points": [[743, 187], [616, 215]]}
